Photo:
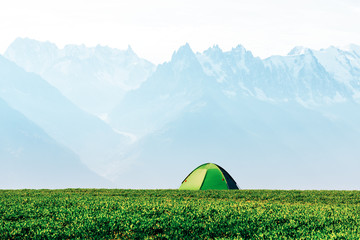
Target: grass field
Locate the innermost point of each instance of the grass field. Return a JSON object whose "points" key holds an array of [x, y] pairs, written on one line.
{"points": [[173, 214]]}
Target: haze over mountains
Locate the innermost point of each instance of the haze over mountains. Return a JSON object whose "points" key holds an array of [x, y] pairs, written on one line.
{"points": [[93, 78], [283, 122], [43, 104], [31, 158]]}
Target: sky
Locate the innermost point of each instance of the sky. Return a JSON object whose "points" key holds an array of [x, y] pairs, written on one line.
{"points": [[156, 28]]}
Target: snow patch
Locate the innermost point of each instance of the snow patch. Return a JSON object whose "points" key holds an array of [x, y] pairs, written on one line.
{"points": [[338, 98], [262, 96], [104, 117], [133, 138]]}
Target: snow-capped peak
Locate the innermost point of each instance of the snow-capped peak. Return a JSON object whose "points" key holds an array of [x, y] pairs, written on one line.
{"points": [[214, 52], [31, 54], [31, 43], [351, 48], [238, 49], [184, 50], [184, 53], [214, 48], [299, 50], [130, 51]]}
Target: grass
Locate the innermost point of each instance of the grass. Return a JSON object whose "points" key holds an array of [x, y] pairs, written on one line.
{"points": [[173, 214]]}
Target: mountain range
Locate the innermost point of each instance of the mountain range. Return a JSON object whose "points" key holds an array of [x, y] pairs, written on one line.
{"points": [[282, 122], [40, 102], [95, 79], [32, 159]]}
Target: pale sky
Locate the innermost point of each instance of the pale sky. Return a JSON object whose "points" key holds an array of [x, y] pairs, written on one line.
{"points": [[156, 28]]}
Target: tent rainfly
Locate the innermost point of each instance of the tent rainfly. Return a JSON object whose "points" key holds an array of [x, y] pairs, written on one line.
{"points": [[208, 176]]}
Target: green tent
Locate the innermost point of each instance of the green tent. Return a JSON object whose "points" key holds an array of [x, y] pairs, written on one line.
{"points": [[208, 176]]}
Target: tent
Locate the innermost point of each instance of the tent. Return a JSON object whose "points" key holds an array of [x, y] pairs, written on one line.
{"points": [[208, 176]]}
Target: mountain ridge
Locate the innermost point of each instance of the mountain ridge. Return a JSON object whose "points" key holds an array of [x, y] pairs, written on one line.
{"points": [[282, 122], [90, 77], [92, 139], [31, 159]]}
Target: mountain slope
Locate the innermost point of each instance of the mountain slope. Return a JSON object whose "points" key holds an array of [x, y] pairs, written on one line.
{"points": [[93, 140], [29, 158], [297, 76], [263, 145], [343, 65], [282, 122], [162, 96], [186, 115], [95, 79]]}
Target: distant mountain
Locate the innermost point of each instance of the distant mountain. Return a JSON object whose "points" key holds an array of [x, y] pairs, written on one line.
{"points": [[343, 65], [281, 146], [95, 79], [221, 107], [96, 143], [282, 122], [159, 100], [298, 77], [29, 158]]}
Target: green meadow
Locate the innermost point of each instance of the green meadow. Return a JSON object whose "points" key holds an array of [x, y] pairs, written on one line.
{"points": [[174, 214]]}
